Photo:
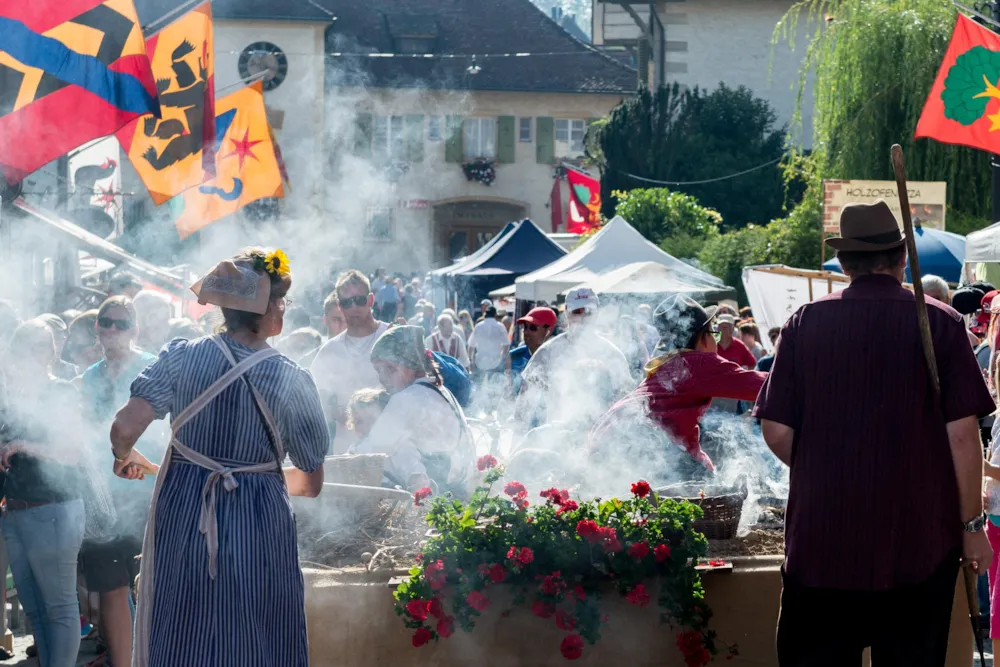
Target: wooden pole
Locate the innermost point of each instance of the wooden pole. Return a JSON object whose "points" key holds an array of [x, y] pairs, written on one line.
{"points": [[899, 169]]}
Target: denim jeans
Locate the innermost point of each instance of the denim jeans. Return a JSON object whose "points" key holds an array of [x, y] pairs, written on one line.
{"points": [[42, 545]]}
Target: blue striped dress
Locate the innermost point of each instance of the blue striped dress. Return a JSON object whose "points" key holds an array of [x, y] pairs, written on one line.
{"points": [[253, 614]]}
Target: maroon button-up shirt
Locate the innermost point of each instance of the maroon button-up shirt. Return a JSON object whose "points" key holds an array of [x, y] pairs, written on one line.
{"points": [[873, 502]]}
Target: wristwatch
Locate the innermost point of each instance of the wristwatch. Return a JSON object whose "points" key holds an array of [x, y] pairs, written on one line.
{"points": [[975, 525]]}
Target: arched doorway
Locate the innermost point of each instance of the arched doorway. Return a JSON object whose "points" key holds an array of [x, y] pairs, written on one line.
{"points": [[463, 226]]}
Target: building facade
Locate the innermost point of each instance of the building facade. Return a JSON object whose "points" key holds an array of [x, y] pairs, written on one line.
{"points": [[707, 42], [461, 115]]}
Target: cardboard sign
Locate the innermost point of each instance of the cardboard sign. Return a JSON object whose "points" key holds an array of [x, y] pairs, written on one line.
{"points": [[927, 200]]}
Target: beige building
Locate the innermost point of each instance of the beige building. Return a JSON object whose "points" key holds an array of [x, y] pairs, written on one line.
{"points": [[431, 112], [706, 42]]}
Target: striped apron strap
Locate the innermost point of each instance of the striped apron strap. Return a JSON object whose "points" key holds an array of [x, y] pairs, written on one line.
{"points": [[144, 609]]}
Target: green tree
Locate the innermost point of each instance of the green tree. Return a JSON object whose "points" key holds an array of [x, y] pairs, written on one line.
{"points": [[660, 215], [873, 64], [793, 240], [693, 136]]}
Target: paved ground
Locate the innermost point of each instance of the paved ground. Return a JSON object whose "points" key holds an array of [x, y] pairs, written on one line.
{"points": [[22, 642], [988, 654]]}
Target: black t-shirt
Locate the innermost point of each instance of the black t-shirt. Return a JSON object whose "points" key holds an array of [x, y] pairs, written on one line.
{"points": [[49, 416]]}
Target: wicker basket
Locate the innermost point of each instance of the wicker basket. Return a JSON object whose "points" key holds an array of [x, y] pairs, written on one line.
{"points": [[722, 511], [357, 469]]}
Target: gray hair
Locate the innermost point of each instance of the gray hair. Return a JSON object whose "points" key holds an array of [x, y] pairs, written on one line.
{"points": [[445, 316], [935, 287], [147, 301]]}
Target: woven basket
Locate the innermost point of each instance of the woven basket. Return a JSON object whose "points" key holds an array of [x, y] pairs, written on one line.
{"points": [[722, 512], [357, 469]]}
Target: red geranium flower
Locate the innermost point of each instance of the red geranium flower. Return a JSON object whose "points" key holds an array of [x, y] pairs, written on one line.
{"points": [[521, 500], [417, 609], [526, 556], [568, 506], [477, 601], [609, 538], [565, 621], [589, 530], [497, 573], [446, 626], [543, 609], [514, 488], [421, 494], [484, 463], [571, 647], [421, 636], [641, 489], [639, 550], [436, 609], [579, 592], [638, 596], [435, 576], [662, 552], [552, 584]]}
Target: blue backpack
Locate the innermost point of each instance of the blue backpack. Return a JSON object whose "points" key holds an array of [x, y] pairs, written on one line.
{"points": [[456, 378]]}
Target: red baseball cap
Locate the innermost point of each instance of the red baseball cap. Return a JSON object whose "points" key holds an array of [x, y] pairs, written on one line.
{"points": [[540, 316]]}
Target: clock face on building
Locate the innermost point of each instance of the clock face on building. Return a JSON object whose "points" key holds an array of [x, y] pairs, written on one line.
{"points": [[264, 57]]}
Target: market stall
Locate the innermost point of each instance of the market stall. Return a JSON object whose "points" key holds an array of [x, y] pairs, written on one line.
{"points": [[522, 250], [617, 243], [652, 282], [982, 254]]}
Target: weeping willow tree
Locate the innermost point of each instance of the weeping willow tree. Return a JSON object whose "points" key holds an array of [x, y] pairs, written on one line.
{"points": [[872, 64]]}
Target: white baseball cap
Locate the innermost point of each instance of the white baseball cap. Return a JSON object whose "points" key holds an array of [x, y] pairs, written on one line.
{"points": [[583, 297], [485, 302]]}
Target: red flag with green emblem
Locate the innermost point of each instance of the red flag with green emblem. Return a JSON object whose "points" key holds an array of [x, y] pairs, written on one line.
{"points": [[964, 103], [584, 203]]}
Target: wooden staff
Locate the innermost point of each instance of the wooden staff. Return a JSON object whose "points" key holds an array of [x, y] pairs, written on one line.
{"points": [[899, 168]]}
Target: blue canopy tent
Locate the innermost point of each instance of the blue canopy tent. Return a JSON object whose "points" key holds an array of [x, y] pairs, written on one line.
{"points": [[462, 261], [524, 249], [941, 254]]}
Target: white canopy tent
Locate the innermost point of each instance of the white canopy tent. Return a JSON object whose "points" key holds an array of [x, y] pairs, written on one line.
{"points": [[617, 244], [984, 245], [776, 291], [648, 278]]}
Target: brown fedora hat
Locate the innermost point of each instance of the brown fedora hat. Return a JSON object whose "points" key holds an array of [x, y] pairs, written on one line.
{"points": [[867, 228]]}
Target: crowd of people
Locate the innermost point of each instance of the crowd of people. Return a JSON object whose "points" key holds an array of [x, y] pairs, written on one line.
{"points": [[259, 392]]}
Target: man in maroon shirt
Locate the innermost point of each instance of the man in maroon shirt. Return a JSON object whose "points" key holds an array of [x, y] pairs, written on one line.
{"points": [[680, 383], [886, 482], [733, 349]]}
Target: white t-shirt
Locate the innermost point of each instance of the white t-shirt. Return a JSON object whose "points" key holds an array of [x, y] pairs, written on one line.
{"points": [[343, 366], [489, 339], [551, 387], [418, 421], [453, 346]]}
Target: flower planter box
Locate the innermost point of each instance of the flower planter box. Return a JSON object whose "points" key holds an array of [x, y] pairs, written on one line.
{"points": [[352, 622]]}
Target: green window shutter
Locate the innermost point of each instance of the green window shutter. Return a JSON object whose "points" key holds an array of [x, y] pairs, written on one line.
{"points": [[363, 135], [505, 139], [415, 138], [545, 140], [453, 139]]}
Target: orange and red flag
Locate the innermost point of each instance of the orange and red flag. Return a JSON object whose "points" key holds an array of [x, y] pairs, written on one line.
{"points": [[176, 151], [964, 103]]}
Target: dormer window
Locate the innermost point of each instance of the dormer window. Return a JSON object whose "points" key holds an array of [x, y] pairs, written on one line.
{"points": [[412, 33]]}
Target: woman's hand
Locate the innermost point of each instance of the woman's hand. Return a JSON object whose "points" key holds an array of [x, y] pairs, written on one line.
{"points": [[135, 466]]}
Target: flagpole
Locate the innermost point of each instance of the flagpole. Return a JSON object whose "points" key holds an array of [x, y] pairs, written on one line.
{"points": [[148, 29]]}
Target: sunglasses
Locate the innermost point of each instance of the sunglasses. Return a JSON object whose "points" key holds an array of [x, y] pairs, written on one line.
{"points": [[535, 327], [353, 302], [107, 323], [579, 311]]}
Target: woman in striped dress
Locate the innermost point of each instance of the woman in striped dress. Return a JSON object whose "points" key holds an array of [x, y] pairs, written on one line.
{"points": [[220, 582]]}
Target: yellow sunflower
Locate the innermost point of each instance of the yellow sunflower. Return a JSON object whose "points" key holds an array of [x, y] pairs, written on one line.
{"points": [[277, 264]]}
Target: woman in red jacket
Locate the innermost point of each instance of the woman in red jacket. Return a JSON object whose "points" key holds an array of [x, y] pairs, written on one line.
{"points": [[679, 386]]}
